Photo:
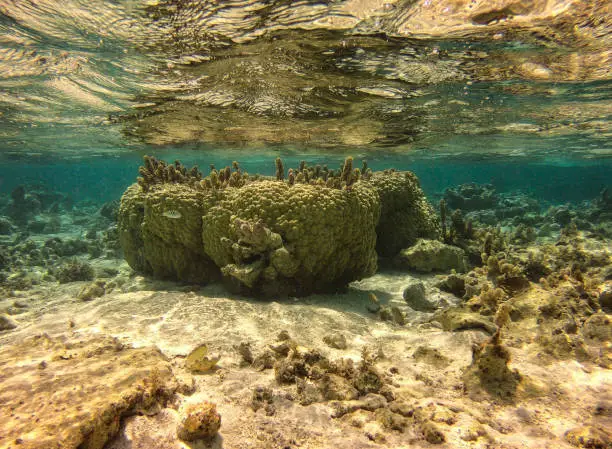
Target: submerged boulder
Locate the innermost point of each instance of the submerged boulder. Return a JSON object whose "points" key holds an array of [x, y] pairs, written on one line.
{"points": [[71, 391], [432, 255]]}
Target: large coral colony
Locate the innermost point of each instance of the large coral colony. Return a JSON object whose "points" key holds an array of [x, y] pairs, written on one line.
{"points": [[307, 230]]}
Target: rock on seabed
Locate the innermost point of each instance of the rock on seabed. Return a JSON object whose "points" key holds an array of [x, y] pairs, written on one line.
{"points": [[71, 393]]}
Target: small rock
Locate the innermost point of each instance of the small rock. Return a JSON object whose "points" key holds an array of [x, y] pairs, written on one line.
{"points": [[432, 356], [414, 295], [402, 408], [605, 299], [265, 360], [6, 227], [199, 421], [283, 336], [369, 402], [385, 314], [336, 340], [7, 323], [454, 284], [374, 304], [92, 291], [199, 361], [472, 432], [186, 384], [261, 397], [374, 432], [562, 216], [432, 433], [457, 319], [308, 392], [525, 415], [588, 437], [334, 387], [244, 349], [597, 327], [398, 316], [603, 408]]}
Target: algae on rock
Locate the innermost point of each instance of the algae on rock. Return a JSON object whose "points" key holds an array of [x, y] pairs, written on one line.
{"points": [[54, 395]]}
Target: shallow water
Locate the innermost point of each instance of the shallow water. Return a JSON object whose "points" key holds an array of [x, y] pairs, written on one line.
{"points": [[514, 97]]}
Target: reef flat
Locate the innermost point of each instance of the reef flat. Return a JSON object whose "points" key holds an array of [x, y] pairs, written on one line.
{"points": [[494, 334]]}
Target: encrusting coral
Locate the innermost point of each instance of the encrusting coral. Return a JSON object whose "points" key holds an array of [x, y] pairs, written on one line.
{"points": [[312, 231]]}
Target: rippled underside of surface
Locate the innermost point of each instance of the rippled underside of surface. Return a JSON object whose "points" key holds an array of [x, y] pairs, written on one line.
{"points": [[434, 75]]}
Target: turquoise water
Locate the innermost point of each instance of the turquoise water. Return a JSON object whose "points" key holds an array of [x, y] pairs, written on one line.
{"points": [[103, 179]]}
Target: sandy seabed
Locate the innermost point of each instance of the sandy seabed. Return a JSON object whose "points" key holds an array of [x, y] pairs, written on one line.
{"points": [[75, 373]]}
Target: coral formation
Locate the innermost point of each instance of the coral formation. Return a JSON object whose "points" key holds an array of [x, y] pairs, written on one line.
{"points": [[314, 232], [273, 237], [405, 214], [199, 421], [490, 368], [73, 271], [159, 172], [471, 196]]}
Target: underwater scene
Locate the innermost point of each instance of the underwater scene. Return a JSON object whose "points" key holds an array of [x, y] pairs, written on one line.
{"points": [[272, 224]]}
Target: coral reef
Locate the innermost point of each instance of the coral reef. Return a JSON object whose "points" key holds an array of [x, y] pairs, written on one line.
{"points": [[276, 238], [471, 196], [159, 172], [167, 246]]}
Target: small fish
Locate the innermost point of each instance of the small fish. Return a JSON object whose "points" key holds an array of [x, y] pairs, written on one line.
{"points": [[172, 214]]}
